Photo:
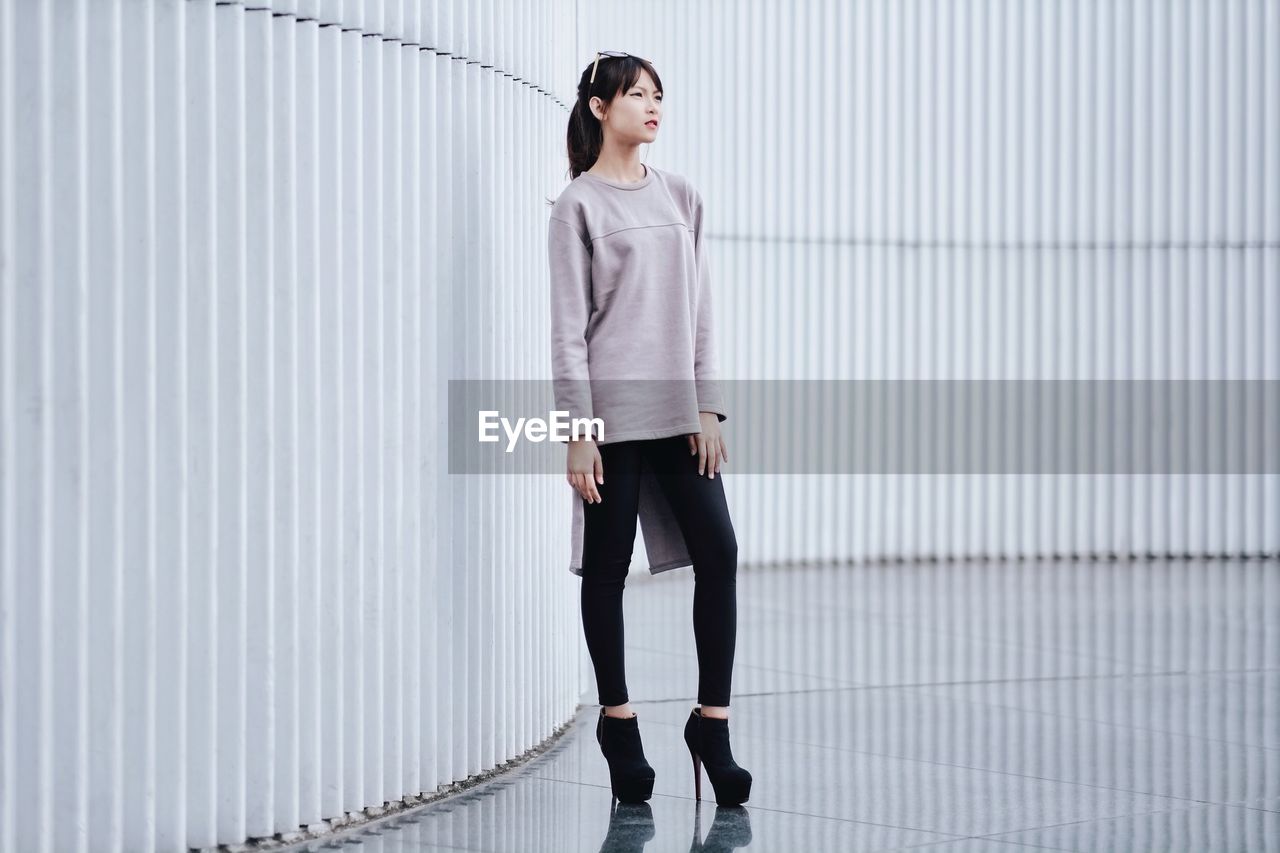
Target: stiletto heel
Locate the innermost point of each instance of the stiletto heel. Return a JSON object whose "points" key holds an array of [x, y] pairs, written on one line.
{"points": [[697, 774], [708, 742], [630, 776]]}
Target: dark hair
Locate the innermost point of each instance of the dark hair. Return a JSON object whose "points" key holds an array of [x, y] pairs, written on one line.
{"points": [[614, 76]]}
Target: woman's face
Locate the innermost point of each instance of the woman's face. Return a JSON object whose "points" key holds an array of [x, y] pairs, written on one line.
{"points": [[634, 115]]}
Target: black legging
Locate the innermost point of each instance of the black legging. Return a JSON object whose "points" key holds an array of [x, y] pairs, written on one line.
{"points": [[609, 536]]}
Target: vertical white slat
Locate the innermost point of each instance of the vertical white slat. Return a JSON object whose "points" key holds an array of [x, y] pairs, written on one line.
{"points": [[469, 677], [1206, 209], [231, 416], [136, 125], [428, 448], [528, 166], [370, 406], [471, 504], [1269, 264], [1270, 234], [437, 318], [97, 273], [392, 339], [1152, 32], [1035, 358], [9, 767], [261, 406], [849, 310], [544, 166], [333, 625], [396, 341], [1239, 362], [416, 777], [173, 559], [999, 271], [501, 515], [1129, 268], [512, 229], [352, 281], [314, 461], [914, 344], [282, 150], [1197, 229], [31, 658], [1251, 121], [486, 722], [829, 522], [516, 228], [533, 598], [531, 162], [202, 457], [448, 622]]}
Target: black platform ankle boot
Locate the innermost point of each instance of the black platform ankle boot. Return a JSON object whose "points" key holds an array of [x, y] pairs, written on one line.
{"points": [[630, 775], [708, 742]]}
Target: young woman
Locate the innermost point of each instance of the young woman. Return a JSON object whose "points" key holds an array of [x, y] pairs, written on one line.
{"points": [[630, 301]]}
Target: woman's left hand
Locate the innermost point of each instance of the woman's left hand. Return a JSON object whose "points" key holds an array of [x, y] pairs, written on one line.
{"points": [[708, 445]]}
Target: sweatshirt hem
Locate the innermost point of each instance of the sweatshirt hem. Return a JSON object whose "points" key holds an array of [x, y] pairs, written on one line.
{"points": [[653, 569], [673, 564], [667, 432]]}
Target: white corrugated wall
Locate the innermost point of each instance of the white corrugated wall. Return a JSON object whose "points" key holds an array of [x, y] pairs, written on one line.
{"points": [[979, 190], [243, 247]]}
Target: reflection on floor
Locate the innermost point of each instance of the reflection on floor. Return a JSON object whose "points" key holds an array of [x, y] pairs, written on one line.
{"points": [[940, 707]]}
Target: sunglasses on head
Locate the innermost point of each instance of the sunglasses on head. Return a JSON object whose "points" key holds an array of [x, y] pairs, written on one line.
{"points": [[607, 54]]}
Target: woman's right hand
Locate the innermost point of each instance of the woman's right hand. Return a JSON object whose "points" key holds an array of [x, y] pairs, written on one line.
{"points": [[585, 468]]}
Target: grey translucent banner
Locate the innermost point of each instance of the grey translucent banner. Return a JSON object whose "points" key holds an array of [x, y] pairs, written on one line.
{"points": [[909, 426]]}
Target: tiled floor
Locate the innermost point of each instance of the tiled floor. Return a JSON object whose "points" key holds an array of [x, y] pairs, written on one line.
{"points": [[943, 707]]}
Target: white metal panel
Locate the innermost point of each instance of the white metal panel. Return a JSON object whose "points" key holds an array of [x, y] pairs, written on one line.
{"points": [[245, 247], [979, 190]]}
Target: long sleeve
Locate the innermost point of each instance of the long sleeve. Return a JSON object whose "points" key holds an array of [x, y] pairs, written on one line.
{"points": [[706, 367], [570, 265]]}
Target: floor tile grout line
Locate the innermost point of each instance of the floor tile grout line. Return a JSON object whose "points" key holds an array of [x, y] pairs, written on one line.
{"points": [[997, 840], [995, 836], [926, 691], [951, 836], [967, 683], [970, 768], [1092, 720], [924, 688], [1173, 797], [1275, 810]]}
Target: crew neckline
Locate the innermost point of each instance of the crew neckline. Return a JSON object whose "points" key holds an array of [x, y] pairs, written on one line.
{"points": [[643, 182]]}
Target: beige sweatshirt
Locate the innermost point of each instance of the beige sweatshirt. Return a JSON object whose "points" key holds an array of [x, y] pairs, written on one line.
{"points": [[631, 300]]}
